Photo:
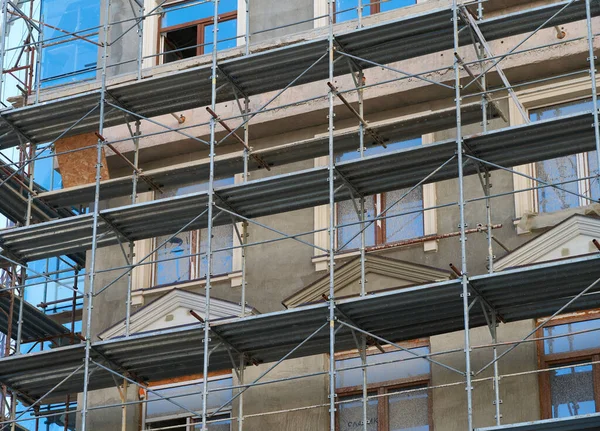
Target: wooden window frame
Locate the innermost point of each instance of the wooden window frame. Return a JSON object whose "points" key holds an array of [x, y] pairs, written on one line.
{"points": [[200, 25], [380, 204], [182, 381], [545, 362], [382, 388]]}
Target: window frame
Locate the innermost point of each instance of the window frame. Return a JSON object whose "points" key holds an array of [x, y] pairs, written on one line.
{"points": [[191, 380], [535, 97], [383, 388], [547, 361], [200, 25], [380, 226]]}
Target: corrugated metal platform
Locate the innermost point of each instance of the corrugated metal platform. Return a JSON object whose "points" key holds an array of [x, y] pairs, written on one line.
{"points": [[36, 325], [589, 422], [405, 38], [277, 194], [395, 315]]}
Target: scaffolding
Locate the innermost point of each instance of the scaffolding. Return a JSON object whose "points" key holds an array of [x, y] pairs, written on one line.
{"points": [[49, 227]]}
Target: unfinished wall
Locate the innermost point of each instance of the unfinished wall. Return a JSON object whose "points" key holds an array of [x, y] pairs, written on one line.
{"points": [[79, 167], [267, 14], [122, 53], [520, 396]]}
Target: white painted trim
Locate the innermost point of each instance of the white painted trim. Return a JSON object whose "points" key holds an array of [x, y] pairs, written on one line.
{"points": [[349, 274], [320, 8], [168, 303], [541, 245], [429, 200], [242, 10], [321, 221], [150, 36]]}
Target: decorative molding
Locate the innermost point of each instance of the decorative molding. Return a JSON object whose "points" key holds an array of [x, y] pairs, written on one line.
{"points": [[349, 274], [159, 309], [552, 240]]}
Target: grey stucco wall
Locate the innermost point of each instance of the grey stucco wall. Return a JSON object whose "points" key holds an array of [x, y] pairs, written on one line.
{"points": [[109, 307], [122, 53], [266, 14]]}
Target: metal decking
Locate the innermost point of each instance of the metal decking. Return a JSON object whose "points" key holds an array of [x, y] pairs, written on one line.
{"points": [[405, 38], [397, 315], [589, 422], [273, 195], [36, 325]]}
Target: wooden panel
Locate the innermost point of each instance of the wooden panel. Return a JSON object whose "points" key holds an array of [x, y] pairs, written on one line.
{"points": [[79, 167]]}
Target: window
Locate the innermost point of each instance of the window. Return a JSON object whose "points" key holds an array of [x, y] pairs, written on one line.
{"points": [[180, 258], [45, 172], [160, 413], [568, 389], [400, 398], [66, 58], [186, 29], [565, 169], [346, 10], [386, 231]]}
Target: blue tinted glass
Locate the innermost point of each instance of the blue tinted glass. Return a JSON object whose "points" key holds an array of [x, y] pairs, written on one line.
{"points": [[379, 149], [66, 59], [387, 5], [561, 169], [226, 38], [558, 171], [572, 391], [181, 14], [345, 10], [44, 173], [346, 213], [72, 16], [69, 62], [570, 343], [175, 263], [560, 110], [405, 226]]}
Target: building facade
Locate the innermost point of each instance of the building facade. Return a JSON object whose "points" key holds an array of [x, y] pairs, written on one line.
{"points": [[249, 155]]}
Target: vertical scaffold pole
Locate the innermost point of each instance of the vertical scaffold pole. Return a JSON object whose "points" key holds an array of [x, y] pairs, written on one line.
{"points": [[209, 230], [332, 233], [4, 24], [92, 275], [461, 206], [140, 59], [592, 60], [134, 183], [38, 61]]}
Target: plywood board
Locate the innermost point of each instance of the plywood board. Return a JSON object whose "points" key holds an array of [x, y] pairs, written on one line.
{"points": [[79, 167]]}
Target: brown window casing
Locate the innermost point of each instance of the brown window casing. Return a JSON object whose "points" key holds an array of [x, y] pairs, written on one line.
{"points": [[545, 362], [383, 388], [200, 25]]}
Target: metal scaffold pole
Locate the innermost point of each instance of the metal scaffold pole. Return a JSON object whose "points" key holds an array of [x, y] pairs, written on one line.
{"points": [[332, 230], [89, 295], [209, 229], [461, 207], [4, 24], [592, 60]]}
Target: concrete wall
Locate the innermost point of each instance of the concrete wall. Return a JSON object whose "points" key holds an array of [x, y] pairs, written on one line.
{"points": [[267, 14], [109, 308], [123, 53]]}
